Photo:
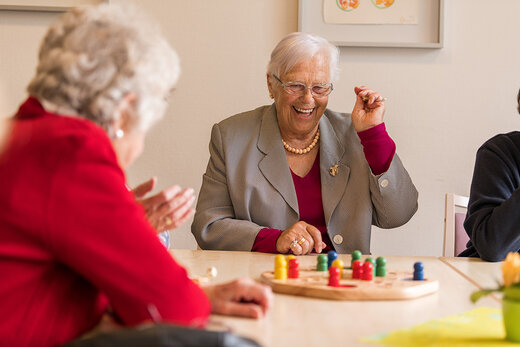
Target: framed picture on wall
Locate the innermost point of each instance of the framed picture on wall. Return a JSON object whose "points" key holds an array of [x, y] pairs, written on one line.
{"points": [[375, 23], [45, 5]]}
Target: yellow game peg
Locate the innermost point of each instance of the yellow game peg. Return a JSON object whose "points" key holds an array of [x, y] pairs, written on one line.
{"points": [[280, 267], [339, 264], [280, 260]]}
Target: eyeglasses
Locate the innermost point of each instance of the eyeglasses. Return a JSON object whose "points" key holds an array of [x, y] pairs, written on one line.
{"points": [[296, 88]]}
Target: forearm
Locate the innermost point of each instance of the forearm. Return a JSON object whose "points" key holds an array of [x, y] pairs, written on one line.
{"points": [[114, 247], [225, 233], [394, 196], [494, 228]]}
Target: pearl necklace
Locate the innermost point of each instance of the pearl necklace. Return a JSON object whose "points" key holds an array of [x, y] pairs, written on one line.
{"points": [[303, 150]]}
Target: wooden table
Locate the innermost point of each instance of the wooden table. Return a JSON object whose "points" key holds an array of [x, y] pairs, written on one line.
{"points": [[301, 321], [481, 273]]}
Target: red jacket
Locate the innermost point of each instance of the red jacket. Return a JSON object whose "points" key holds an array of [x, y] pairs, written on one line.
{"points": [[73, 240]]}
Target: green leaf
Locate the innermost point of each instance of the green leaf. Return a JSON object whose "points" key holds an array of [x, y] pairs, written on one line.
{"points": [[481, 293]]}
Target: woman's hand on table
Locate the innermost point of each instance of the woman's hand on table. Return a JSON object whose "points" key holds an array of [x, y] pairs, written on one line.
{"points": [[169, 208], [301, 238], [368, 110], [243, 297]]}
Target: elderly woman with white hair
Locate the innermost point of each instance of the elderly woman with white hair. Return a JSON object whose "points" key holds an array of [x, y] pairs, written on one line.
{"points": [[297, 177], [74, 243]]}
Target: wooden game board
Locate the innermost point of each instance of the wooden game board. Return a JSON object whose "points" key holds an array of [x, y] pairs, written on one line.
{"points": [[312, 283]]}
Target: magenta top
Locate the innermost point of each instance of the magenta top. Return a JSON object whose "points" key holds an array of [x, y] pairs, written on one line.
{"points": [[379, 151]]}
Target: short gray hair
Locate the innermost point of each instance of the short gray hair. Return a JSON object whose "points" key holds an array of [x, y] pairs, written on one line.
{"points": [[297, 47], [93, 56]]}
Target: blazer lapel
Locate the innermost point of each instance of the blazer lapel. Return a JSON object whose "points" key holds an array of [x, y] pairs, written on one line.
{"points": [[274, 165], [334, 174]]}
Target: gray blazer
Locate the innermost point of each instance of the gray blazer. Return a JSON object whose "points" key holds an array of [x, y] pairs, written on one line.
{"points": [[248, 185]]}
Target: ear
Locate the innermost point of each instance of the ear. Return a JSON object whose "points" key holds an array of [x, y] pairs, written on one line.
{"points": [[125, 108], [269, 84]]}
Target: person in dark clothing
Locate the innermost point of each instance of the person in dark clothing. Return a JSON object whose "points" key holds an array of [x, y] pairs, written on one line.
{"points": [[493, 218]]}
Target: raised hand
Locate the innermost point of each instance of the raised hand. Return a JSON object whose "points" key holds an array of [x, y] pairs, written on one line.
{"points": [[368, 110]]}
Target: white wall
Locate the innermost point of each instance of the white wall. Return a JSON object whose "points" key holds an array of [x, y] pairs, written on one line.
{"points": [[442, 104]]}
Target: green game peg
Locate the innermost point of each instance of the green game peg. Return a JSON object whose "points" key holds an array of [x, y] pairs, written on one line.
{"points": [[322, 263], [356, 255], [381, 267]]}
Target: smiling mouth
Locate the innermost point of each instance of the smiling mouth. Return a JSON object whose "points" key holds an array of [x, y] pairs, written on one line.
{"points": [[304, 112]]}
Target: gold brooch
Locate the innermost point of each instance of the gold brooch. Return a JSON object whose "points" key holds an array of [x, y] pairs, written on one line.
{"points": [[333, 170]]}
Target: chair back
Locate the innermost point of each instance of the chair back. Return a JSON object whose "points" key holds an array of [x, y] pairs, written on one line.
{"points": [[455, 237]]}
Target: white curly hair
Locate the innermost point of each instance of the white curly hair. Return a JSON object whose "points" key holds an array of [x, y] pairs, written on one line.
{"points": [[298, 47], [92, 57]]}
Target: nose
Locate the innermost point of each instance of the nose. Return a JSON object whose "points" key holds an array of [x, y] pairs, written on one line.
{"points": [[307, 96]]}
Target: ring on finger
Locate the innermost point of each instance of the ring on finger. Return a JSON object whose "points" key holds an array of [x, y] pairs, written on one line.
{"points": [[168, 221], [293, 244], [301, 241]]}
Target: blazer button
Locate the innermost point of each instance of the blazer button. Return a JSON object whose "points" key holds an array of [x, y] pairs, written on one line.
{"points": [[338, 239], [384, 183]]}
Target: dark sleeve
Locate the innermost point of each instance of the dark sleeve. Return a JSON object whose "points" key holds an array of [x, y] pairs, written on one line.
{"points": [[493, 218], [96, 228]]}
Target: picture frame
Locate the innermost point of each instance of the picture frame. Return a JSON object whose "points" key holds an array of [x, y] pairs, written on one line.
{"points": [[45, 5], [427, 33]]}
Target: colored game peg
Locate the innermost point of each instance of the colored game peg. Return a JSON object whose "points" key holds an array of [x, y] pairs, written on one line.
{"points": [[332, 255], [288, 258], [339, 264], [333, 276], [322, 263], [367, 271], [370, 259], [356, 269], [418, 271], [279, 260], [280, 267], [356, 255], [381, 267], [294, 268]]}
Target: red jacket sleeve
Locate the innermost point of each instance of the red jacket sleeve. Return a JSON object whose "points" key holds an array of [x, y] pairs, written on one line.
{"points": [[96, 227]]}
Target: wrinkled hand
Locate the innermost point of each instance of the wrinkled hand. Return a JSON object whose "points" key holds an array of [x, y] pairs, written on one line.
{"points": [[169, 208], [367, 114], [306, 236], [243, 297]]}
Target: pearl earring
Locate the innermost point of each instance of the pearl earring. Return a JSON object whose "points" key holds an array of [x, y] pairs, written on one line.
{"points": [[120, 133]]}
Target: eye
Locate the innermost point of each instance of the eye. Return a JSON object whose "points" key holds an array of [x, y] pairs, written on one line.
{"points": [[320, 89], [296, 87]]}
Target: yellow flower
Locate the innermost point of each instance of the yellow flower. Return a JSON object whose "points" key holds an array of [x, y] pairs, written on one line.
{"points": [[511, 269]]}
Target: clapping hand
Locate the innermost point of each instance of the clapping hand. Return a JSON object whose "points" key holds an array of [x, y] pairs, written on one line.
{"points": [[368, 110], [169, 208]]}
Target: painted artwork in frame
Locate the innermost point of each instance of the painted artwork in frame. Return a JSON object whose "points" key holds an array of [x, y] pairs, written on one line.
{"points": [[374, 23], [45, 5]]}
